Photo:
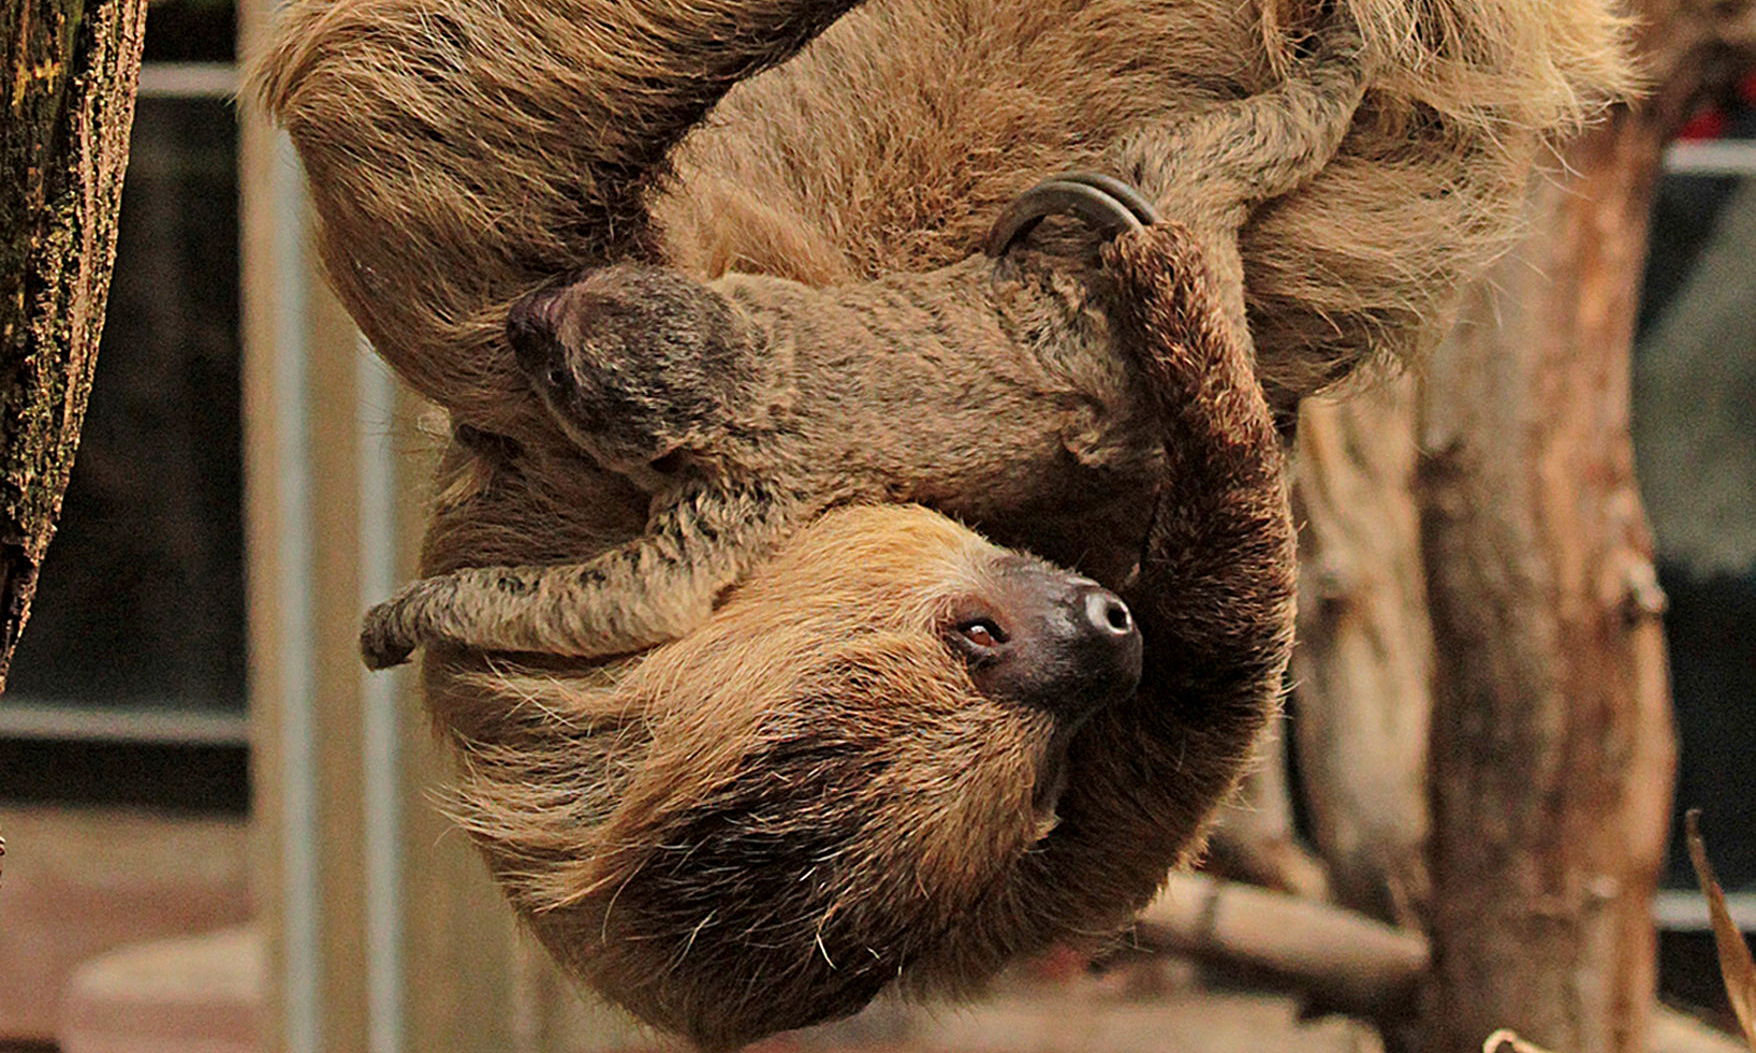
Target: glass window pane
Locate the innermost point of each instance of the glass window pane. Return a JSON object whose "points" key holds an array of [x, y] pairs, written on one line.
{"points": [[1695, 440], [191, 31]]}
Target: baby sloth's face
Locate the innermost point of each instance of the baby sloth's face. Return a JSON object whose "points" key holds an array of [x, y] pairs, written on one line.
{"points": [[884, 744], [639, 366]]}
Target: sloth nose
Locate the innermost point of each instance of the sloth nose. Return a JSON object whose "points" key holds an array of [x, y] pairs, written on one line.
{"points": [[1110, 646], [1106, 613]]}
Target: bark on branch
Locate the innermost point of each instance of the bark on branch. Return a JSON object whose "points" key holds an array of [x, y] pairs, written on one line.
{"points": [[1552, 750], [70, 70], [1342, 961]]}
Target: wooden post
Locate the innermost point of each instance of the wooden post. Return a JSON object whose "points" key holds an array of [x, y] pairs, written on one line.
{"points": [[1553, 753], [68, 73], [1552, 745], [1362, 664]]}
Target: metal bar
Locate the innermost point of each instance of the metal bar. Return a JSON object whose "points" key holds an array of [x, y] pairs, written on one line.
{"points": [[172, 726], [188, 80], [1681, 910], [380, 726], [1711, 157], [302, 901]]}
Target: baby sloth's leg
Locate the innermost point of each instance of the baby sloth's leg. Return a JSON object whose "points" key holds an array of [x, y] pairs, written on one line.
{"points": [[655, 588]]}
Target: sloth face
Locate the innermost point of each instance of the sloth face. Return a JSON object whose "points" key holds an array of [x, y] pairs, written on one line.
{"points": [[859, 749], [639, 366], [1042, 637]]}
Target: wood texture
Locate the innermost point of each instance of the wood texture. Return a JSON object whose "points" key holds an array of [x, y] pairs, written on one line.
{"points": [[1362, 665], [68, 72], [1552, 746], [1553, 752]]}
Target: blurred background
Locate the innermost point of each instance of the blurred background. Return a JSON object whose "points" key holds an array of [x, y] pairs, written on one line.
{"points": [[197, 779]]}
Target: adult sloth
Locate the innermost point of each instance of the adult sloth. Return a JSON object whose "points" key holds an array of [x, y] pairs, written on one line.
{"points": [[465, 153]]}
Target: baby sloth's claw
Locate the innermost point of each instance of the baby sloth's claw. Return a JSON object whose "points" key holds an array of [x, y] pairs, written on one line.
{"points": [[381, 645], [1109, 205]]}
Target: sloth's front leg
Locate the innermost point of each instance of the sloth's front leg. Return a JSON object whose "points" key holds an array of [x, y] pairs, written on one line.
{"points": [[654, 588], [1208, 168], [1215, 593]]}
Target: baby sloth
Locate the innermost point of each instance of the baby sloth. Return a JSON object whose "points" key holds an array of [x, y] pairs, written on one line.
{"points": [[749, 406], [805, 801], [994, 390]]}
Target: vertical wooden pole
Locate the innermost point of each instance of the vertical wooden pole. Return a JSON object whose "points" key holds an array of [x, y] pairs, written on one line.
{"points": [[1553, 752], [1362, 665]]}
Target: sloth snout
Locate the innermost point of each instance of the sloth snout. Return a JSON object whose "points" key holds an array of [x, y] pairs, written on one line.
{"points": [[1108, 644], [1107, 614]]}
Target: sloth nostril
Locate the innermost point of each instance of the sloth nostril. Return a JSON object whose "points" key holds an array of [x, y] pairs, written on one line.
{"points": [[556, 376], [1106, 612]]}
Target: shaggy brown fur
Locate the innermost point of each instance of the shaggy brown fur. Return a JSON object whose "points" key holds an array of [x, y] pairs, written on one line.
{"points": [[507, 143], [994, 392], [765, 823], [798, 850], [464, 153]]}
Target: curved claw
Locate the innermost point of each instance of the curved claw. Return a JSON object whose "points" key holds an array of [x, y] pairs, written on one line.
{"points": [[1109, 205], [1130, 198]]}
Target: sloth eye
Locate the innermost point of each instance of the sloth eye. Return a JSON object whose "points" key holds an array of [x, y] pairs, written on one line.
{"points": [[982, 632]]}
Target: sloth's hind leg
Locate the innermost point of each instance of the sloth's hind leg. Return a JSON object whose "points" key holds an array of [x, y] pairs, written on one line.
{"points": [[1209, 169]]}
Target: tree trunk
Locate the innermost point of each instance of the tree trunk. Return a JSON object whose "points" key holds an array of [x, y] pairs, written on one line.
{"points": [[1552, 747], [1553, 753], [70, 68], [1362, 665]]}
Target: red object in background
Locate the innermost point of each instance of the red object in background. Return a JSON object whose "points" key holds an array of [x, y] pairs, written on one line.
{"points": [[1708, 124], [1712, 123]]}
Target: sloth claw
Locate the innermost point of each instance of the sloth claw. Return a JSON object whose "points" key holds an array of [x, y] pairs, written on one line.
{"points": [[379, 646], [1105, 202]]}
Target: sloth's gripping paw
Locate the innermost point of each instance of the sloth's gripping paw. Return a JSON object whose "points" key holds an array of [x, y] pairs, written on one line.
{"points": [[1198, 372], [1109, 205], [383, 643], [1167, 287]]}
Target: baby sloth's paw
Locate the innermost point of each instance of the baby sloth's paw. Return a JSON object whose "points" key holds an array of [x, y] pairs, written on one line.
{"points": [[383, 644]]}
